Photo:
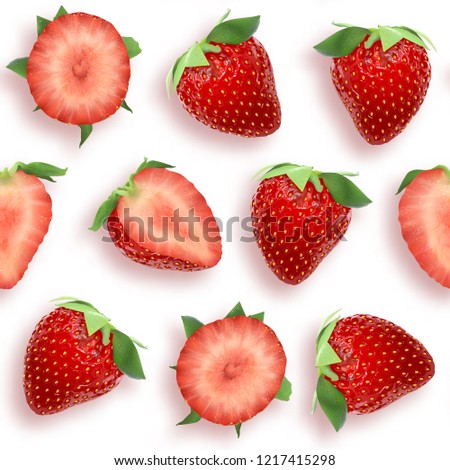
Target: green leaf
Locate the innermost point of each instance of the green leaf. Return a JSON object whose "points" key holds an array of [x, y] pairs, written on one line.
{"points": [[151, 164], [195, 57], [392, 35], [86, 130], [344, 191], [132, 46], [300, 176], [175, 73], [19, 66], [173, 367], [191, 418], [421, 35], [279, 170], [191, 325], [206, 47], [332, 402], [62, 11], [236, 311], [41, 23], [258, 316], [106, 334], [408, 179], [37, 108], [94, 319], [237, 427], [373, 38], [342, 42], [285, 391], [41, 170], [126, 356], [314, 179], [125, 106], [234, 31], [104, 211]]}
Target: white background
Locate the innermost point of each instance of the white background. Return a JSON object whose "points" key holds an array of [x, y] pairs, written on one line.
{"points": [[373, 272]]}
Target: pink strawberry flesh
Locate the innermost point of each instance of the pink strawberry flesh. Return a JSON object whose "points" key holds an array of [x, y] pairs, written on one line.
{"points": [[424, 215], [231, 369], [167, 216], [79, 69], [25, 215]]}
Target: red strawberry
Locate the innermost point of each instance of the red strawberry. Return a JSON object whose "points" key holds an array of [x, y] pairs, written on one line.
{"points": [[161, 220], [299, 215], [424, 216], [226, 81], [70, 358], [381, 75], [79, 69], [366, 363], [231, 369], [25, 215]]}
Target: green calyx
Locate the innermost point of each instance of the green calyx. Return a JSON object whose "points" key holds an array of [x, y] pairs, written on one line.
{"points": [[234, 31], [346, 40], [127, 189], [343, 191], [19, 66], [191, 325], [413, 173], [125, 354], [39, 169], [330, 399]]}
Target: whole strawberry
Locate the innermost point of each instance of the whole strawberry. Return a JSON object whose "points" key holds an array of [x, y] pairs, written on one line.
{"points": [[75, 355], [299, 215], [381, 75], [25, 216], [78, 70], [366, 363], [424, 216], [231, 369], [226, 80]]}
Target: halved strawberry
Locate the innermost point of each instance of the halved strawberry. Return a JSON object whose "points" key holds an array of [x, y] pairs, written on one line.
{"points": [[25, 215], [231, 369], [79, 68], [424, 216], [161, 220]]}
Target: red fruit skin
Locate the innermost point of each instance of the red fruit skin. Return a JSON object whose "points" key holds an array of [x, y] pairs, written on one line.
{"points": [[382, 91], [296, 229], [137, 253], [236, 93], [64, 366], [381, 362]]}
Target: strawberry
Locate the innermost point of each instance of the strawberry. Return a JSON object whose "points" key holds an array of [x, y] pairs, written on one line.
{"points": [[366, 363], [231, 369], [424, 216], [226, 80], [25, 215], [70, 358], [158, 218], [79, 69], [381, 75], [299, 215]]}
